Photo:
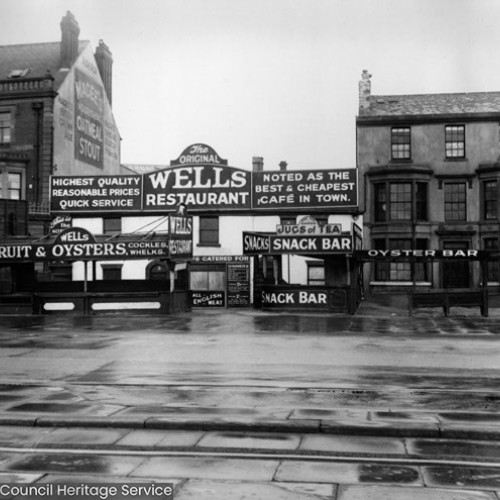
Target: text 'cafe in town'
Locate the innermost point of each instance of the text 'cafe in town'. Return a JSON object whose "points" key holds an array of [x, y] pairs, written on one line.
{"points": [[253, 235]]}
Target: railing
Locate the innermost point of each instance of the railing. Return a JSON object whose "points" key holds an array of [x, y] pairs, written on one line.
{"points": [[24, 84], [39, 208], [446, 298]]}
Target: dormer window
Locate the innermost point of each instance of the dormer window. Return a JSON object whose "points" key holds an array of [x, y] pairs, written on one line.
{"points": [[18, 73]]}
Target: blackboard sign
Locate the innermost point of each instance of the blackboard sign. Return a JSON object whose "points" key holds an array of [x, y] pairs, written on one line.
{"points": [[238, 285]]}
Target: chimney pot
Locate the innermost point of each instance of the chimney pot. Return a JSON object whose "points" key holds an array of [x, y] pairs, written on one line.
{"points": [[365, 87], [104, 61], [283, 165], [258, 163], [69, 40]]}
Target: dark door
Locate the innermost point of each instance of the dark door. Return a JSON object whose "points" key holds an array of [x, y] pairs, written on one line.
{"points": [[456, 272]]}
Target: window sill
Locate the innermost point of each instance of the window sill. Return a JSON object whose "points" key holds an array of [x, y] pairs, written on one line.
{"points": [[400, 283], [457, 158], [206, 245]]}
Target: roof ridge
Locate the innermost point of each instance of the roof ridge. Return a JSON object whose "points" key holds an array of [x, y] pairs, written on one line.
{"points": [[386, 96]]}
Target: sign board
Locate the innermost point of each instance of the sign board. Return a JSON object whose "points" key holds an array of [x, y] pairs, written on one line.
{"points": [[180, 240], [96, 193], [221, 258], [199, 178], [295, 298], [238, 284], [60, 223], [207, 299], [403, 254], [199, 187], [304, 189]]}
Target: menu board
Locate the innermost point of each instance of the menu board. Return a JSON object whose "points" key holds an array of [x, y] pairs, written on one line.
{"points": [[238, 284]]}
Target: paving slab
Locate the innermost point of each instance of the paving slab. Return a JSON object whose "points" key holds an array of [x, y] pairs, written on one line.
{"points": [[14, 477], [229, 490], [358, 492], [381, 427], [159, 438], [447, 448], [207, 468], [353, 444], [350, 473], [72, 463], [85, 437], [260, 440], [476, 478]]}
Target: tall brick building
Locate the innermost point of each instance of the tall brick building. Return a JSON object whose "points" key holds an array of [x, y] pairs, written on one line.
{"points": [[55, 118]]}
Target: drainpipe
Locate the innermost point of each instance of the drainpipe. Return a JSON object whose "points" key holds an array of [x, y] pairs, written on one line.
{"points": [[38, 109]]}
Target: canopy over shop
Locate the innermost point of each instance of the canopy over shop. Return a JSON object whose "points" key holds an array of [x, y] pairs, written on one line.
{"points": [[341, 291], [174, 249]]}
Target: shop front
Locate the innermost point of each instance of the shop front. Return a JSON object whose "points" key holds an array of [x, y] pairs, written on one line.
{"points": [[330, 247], [27, 294]]}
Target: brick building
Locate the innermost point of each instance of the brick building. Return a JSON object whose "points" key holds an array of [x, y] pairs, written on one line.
{"points": [[429, 175], [55, 118]]}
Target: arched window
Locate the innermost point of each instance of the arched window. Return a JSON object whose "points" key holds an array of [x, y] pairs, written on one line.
{"points": [[157, 271]]}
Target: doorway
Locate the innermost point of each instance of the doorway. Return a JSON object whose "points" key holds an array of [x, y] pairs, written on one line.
{"points": [[456, 273]]}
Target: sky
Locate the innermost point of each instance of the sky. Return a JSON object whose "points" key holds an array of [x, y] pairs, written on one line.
{"points": [[270, 78]]}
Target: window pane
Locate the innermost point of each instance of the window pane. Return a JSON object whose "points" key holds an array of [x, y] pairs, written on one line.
{"points": [[4, 127], [492, 267], [400, 199], [455, 201], [490, 200], [455, 141], [401, 143], [209, 230], [380, 202], [199, 280], [112, 225]]}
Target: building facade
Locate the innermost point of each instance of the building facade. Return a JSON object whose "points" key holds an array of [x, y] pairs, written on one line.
{"points": [[429, 179], [55, 118]]}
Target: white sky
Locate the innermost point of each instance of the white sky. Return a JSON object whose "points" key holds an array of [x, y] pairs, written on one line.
{"points": [[271, 78]]}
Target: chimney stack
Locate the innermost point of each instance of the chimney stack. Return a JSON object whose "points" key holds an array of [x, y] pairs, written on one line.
{"points": [[283, 165], [104, 62], [258, 163], [69, 40], [365, 88]]}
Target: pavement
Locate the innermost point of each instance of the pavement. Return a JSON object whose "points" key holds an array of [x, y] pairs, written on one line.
{"points": [[98, 433]]}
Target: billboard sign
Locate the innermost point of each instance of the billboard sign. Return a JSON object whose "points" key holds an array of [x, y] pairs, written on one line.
{"points": [[305, 189], [105, 193]]}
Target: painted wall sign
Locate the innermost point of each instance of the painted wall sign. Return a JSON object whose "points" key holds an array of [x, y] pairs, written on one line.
{"points": [[221, 258], [95, 193], [89, 118], [207, 299], [305, 189], [201, 187], [256, 243]]}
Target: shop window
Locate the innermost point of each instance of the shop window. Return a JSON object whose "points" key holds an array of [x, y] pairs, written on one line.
{"points": [[400, 271], [203, 277], [111, 272], [11, 184], [401, 143], [209, 231], [490, 200], [112, 225], [315, 273], [455, 141], [492, 266], [455, 201], [5, 127]]}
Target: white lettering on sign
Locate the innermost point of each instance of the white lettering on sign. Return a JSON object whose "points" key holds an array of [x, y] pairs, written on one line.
{"points": [[192, 177], [302, 297]]}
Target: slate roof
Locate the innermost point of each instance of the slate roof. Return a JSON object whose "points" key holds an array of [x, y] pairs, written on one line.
{"points": [[39, 58], [433, 104]]}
